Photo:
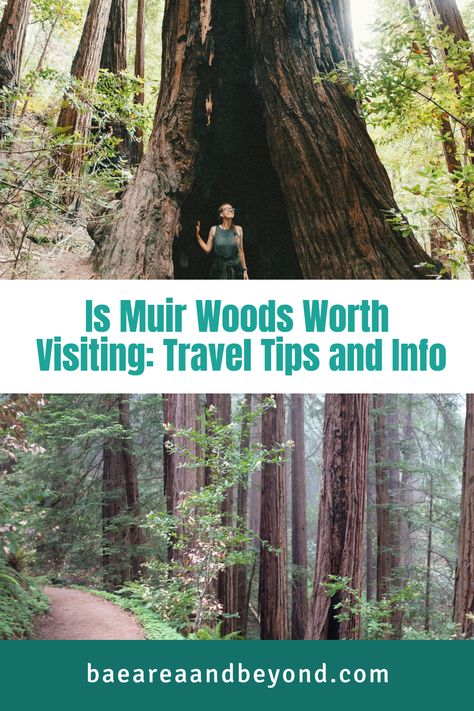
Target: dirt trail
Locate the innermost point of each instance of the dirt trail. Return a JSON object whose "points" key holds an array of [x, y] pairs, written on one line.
{"points": [[75, 614]]}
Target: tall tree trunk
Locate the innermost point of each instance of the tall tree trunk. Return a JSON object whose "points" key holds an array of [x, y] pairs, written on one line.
{"points": [[371, 536], [313, 178], [116, 535], [407, 491], [242, 510], [179, 411], [13, 28], [273, 595], [382, 500], [85, 68], [227, 582], [464, 589], [256, 483], [131, 488], [136, 147], [299, 542], [341, 512], [394, 456], [114, 59], [429, 555], [114, 50]]}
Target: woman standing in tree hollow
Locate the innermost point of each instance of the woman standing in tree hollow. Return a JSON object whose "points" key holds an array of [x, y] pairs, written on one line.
{"points": [[226, 241]]}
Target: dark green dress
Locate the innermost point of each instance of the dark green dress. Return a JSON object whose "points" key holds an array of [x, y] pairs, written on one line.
{"points": [[226, 264]]}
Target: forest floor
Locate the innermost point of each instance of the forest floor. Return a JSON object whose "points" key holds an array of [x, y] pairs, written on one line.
{"points": [[68, 258], [75, 614]]}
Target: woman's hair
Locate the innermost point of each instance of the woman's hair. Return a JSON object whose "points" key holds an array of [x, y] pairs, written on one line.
{"points": [[232, 225]]}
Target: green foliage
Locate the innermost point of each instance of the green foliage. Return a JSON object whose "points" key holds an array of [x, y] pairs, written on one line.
{"points": [[36, 197], [204, 544], [375, 615], [21, 599], [153, 626], [415, 88], [215, 634]]}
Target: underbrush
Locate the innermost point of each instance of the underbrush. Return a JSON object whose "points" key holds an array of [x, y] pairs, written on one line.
{"points": [[21, 599]]}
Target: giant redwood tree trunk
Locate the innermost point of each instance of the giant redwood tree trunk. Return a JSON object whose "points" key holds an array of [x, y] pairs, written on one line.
{"points": [[85, 68], [122, 552], [464, 589], [341, 512], [13, 28], [299, 541], [179, 412], [273, 593], [240, 118]]}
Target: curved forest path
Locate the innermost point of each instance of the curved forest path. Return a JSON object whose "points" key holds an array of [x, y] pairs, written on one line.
{"points": [[75, 614]]}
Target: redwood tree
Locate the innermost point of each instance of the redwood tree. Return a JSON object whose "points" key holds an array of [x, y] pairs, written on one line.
{"points": [[114, 50], [382, 497], [85, 68], [179, 412], [299, 542], [273, 593], [122, 556], [136, 147], [341, 512], [312, 193], [464, 589], [13, 28]]}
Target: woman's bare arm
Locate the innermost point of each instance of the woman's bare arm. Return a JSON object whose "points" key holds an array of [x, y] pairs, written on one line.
{"points": [[240, 234], [205, 246]]}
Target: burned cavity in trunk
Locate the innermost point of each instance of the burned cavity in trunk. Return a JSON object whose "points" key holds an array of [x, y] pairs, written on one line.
{"points": [[233, 162]]}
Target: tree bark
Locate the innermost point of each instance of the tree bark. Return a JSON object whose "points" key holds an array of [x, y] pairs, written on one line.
{"points": [[299, 542], [273, 594], [136, 536], [394, 456], [341, 512], [114, 59], [116, 538], [313, 177], [382, 495], [407, 492], [136, 147], [114, 50], [464, 588], [85, 68], [242, 599], [179, 411], [13, 28]]}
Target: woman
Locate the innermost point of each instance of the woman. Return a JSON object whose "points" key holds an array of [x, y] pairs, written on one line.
{"points": [[226, 241]]}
